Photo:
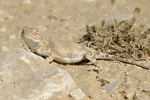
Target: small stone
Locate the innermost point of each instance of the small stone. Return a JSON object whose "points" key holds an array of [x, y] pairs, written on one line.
{"points": [[1, 11], [126, 73], [146, 90], [139, 95], [129, 95], [10, 17], [1, 20], [88, 0], [112, 86], [26, 2], [65, 18], [77, 94], [51, 17], [4, 48], [3, 29], [12, 37]]}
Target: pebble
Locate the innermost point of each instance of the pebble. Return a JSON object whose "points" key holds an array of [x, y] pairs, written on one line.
{"points": [[139, 95], [1, 11], [146, 89], [88, 0], [112, 86], [77, 94], [52, 17], [25, 2], [12, 37], [129, 95], [10, 17], [1, 20], [4, 48], [65, 18], [3, 29]]}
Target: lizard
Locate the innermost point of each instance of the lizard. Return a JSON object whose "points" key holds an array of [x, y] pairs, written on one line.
{"points": [[62, 51], [66, 52]]}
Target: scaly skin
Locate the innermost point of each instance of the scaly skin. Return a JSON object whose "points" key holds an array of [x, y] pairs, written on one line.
{"points": [[64, 52]]}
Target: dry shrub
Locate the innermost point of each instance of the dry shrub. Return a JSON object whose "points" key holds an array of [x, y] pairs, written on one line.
{"points": [[120, 38]]}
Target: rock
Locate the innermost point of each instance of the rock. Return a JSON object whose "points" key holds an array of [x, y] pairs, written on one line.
{"points": [[9, 17], [129, 95], [26, 76], [88, 0], [146, 89], [25, 2], [1, 12], [12, 37], [65, 18], [77, 94], [140, 96], [4, 48], [3, 29], [1, 20], [112, 86]]}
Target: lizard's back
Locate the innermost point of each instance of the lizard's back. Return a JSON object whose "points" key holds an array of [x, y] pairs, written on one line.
{"points": [[66, 48]]}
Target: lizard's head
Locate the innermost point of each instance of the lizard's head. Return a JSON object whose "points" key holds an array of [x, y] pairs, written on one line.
{"points": [[31, 37]]}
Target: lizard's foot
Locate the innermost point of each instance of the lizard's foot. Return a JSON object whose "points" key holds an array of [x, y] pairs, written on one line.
{"points": [[94, 68], [49, 59]]}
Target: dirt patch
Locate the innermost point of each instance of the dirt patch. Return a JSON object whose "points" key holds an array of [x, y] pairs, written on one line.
{"points": [[67, 20]]}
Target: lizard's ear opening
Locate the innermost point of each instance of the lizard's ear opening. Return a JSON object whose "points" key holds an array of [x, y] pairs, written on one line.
{"points": [[23, 30]]}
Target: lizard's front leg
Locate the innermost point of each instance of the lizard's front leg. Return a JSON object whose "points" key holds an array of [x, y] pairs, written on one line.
{"points": [[42, 51], [50, 58], [88, 56]]}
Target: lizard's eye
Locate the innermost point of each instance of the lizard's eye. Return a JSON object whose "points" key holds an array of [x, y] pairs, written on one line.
{"points": [[36, 32]]}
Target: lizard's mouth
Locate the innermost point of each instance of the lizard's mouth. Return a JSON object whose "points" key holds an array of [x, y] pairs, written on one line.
{"points": [[32, 43]]}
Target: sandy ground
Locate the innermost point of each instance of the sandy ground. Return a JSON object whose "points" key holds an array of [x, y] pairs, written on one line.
{"points": [[66, 20]]}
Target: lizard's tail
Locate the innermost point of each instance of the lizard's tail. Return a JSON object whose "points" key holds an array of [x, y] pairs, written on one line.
{"points": [[113, 57]]}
